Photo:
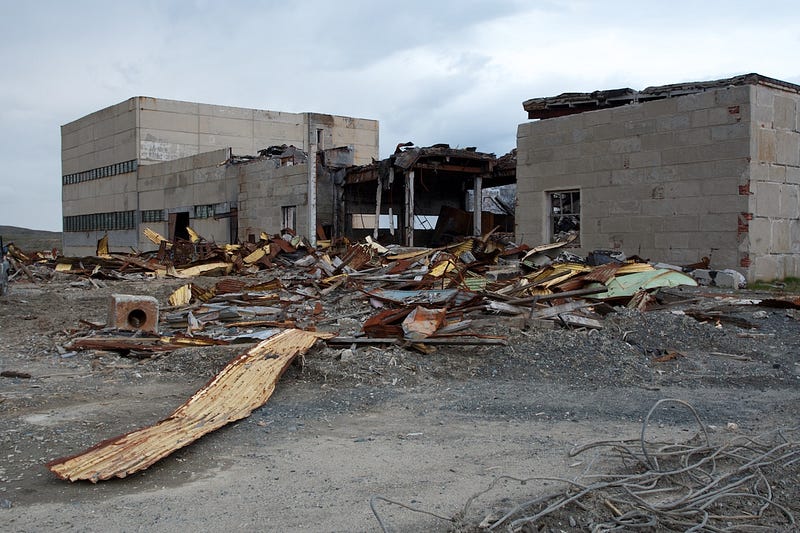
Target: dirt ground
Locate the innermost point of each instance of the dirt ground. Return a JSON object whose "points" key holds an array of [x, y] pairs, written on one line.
{"points": [[428, 431]]}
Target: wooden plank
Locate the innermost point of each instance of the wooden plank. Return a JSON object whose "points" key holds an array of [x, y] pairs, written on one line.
{"points": [[547, 312], [246, 383], [581, 321]]}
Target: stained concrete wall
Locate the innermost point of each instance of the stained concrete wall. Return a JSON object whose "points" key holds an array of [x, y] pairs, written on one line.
{"points": [[102, 138], [170, 129], [773, 231], [659, 179], [152, 131], [182, 184], [264, 189]]}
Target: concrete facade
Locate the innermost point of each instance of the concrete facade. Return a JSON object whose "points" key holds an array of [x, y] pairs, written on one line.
{"points": [[264, 190], [179, 186], [105, 154], [715, 173]]}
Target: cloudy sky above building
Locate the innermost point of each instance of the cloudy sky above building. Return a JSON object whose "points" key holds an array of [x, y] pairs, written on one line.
{"points": [[452, 71]]}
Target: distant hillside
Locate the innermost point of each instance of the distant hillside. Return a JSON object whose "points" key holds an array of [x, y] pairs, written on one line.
{"points": [[31, 240]]}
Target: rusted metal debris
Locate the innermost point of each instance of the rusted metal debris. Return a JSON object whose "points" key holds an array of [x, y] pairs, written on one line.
{"points": [[243, 385]]}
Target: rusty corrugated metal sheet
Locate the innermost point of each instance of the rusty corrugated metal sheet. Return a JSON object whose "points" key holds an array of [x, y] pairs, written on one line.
{"points": [[243, 385], [603, 273]]}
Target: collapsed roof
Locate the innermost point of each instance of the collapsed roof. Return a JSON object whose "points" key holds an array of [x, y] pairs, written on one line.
{"points": [[572, 103]]}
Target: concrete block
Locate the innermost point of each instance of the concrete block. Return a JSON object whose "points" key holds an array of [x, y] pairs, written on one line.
{"points": [[767, 268], [692, 136], [767, 197], [785, 109], [660, 108], [683, 189], [658, 141], [592, 148], [708, 241], [739, 130], [721, 115], [789, 202], [732, 95], [781, 237], [787, 148], [718, 222], [697, 101], [699, 118], [671, 240], [625, 145], [639, 127], [774, 173], [759, 236], [763, 116], [729, 279], [673, 122], [618, 224], [593, 118], [580, 165], [131, 312], [628, 113]]}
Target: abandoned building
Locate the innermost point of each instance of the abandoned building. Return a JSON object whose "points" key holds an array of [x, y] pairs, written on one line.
{"points": [[427, 196], [672, 173], [227, 172]]}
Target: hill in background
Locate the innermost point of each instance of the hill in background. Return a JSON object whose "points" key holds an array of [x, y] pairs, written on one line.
{"points": [[31, 240]]}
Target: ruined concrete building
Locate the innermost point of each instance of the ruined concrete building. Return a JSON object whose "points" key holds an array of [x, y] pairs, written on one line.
{"points": [[426, 196], [168, 165], [673, 173]]}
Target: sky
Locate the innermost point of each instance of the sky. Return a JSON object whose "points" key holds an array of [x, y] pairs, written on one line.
{"points": [[436, 71]]}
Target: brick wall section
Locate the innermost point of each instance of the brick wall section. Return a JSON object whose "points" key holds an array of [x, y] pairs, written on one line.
{"points": [[773, 238], [659, 179]]}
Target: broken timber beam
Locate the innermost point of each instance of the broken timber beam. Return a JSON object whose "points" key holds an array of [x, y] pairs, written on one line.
{"points": [[245, 384]]}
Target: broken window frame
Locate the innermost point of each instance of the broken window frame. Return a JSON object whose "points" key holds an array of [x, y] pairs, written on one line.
{"points": [[564, 210], [289, 217]]}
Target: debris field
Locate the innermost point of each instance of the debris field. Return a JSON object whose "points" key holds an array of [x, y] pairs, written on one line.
{"points": [[479, 333]]}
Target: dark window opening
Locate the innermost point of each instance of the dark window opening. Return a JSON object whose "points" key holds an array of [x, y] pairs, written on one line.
{"points": [[565, 216]]}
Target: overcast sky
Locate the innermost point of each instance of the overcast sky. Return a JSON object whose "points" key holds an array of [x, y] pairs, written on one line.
{"points": [[434, 71]]}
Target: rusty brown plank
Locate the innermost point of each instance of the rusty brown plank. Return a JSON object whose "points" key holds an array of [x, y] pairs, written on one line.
{"points": [[245, 384]]}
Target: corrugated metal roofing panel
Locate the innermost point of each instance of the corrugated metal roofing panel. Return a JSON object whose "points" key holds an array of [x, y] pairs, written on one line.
{"points": [[243, 385]]}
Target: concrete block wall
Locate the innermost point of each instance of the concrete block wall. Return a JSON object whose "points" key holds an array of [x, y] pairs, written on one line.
{"points": [[658, 179], [170, 129], [181, 184], [102, 138], [773, 232], [264, 190]]}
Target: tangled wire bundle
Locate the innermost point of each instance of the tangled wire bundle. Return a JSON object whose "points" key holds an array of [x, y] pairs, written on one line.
{"points": [[693, 486]]}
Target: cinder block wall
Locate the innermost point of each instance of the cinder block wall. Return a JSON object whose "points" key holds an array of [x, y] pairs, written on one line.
{"points": [[772, 233], [181, 184], [659, 179], [264, 190]]}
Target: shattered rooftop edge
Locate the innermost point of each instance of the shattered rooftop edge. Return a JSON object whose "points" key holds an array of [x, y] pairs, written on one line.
{"points": [[572, 103]]}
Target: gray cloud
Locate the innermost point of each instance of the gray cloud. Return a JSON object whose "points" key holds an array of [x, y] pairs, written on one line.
{"points": [[444, 71]]}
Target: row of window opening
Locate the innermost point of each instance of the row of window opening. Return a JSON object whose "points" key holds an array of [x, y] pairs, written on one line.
{"points": [[100, 172]]}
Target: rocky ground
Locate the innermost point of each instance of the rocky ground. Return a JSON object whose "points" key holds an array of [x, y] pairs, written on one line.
{"points": [[345, 425]]}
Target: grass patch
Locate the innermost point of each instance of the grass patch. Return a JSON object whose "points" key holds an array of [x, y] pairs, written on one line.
{"points": [[789, 284]]}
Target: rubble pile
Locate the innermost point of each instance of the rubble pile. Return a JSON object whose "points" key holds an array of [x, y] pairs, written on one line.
{"points": [[413, 297]]}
